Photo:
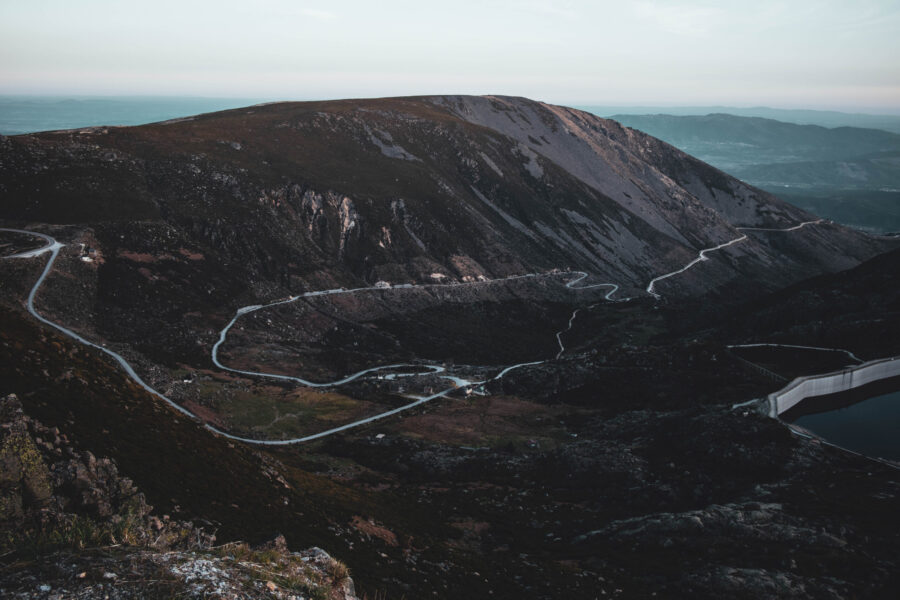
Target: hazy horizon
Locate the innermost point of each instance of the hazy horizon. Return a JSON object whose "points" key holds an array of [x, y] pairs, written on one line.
{"points": [[20, 114], [803, 55], [611, 107]]}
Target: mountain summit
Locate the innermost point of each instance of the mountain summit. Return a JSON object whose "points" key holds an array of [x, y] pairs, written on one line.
{"points": [[398, 189]]}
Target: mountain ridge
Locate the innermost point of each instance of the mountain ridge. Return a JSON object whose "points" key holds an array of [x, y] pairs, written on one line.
{"points": [[491, 184]]}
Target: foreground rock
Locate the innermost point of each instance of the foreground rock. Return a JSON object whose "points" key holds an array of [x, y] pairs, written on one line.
{"points": [[72, 526], [232, 571]]}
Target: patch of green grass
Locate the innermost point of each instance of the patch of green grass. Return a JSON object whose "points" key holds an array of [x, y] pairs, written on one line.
{"points": [[285, 415]]}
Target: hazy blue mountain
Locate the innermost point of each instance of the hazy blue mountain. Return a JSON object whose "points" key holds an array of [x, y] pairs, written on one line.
{"points": [[728, 140], [824, 118], [826, 171]]}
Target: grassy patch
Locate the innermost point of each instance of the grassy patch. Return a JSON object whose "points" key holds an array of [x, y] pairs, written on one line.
{"points": [[275, 412]]}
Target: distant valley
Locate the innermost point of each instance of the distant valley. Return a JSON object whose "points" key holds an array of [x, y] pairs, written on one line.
{"points": [[848, 174]]}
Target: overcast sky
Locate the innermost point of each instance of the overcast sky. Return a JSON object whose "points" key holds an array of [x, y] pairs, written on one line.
{"points": [[795, 53]]}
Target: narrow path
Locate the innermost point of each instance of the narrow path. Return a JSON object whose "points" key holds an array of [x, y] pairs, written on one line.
{"points": [[54, 246], [321, 434], [702, 256], [559, 341], [571, 284], [650, 287], [794, 228], [760, 345], [614, 287]]}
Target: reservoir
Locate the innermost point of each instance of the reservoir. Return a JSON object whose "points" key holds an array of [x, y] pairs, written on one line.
{"points": [[865, 419]]}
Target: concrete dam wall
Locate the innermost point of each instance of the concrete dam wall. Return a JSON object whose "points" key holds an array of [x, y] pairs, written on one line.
{"points": [[831, 383]]}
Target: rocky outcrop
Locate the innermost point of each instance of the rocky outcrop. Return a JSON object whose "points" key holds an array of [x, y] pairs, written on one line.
{"points": [[223, 572], [54, 495], [87, 532]]}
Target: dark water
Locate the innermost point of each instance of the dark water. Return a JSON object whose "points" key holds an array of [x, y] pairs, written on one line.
{"points": [[27, 114], [870, 426]]}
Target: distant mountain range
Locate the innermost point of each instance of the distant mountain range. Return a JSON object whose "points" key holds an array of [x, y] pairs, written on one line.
{"points": [[732, 141], [827, 171], [823, 118]]}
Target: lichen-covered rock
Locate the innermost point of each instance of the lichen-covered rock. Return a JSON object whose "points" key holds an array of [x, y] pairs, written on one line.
{"points": [[53, 495], [230, 571], [24, 477], [87, 532]]}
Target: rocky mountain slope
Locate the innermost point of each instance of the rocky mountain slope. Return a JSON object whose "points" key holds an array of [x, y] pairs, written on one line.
{"points": [[189, 219], [400, 188], [610, 462]]}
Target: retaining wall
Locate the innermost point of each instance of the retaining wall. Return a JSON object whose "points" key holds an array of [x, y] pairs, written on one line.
{"points": [[831, 383]]}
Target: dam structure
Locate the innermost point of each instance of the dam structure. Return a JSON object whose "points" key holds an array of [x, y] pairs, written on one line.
{"points": [[811, 386]]}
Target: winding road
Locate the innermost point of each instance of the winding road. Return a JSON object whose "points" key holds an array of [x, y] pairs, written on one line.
{"points": [[650, 286], [53, 247], [702, 256], [255, 307]]}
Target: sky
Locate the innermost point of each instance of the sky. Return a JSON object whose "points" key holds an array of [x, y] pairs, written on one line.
{"points": [[822, 54]]}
